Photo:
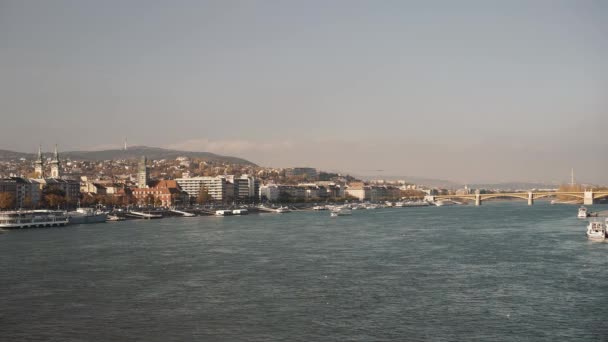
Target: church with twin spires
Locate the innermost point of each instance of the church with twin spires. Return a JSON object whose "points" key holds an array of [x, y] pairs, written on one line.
{"points": [[55, 165], [53, 179]]}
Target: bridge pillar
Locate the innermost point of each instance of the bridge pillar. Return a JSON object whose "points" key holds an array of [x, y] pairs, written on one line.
{"points": [[477, 199], [530, 198], [588, 198]]}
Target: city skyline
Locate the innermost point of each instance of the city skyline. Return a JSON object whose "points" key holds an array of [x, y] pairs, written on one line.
{"points": [[471, 92]]}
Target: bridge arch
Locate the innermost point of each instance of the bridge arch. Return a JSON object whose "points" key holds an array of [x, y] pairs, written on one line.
{"points": [[601, 195], [522, 196]]}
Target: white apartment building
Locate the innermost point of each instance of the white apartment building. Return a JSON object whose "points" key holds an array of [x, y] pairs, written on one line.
{"points": [[217, 187], [270, 192]]}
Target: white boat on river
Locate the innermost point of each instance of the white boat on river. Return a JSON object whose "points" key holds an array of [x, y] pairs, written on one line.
{"points": [[596, 230], [343, 211], [87, 215]]}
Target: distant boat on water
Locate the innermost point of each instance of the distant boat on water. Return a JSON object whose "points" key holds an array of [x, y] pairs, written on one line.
{"points": [[282, 210], [343, 211], [443, 203]]}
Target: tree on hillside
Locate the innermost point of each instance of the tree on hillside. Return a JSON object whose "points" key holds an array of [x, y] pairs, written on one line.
{"points": [[7, 200]]}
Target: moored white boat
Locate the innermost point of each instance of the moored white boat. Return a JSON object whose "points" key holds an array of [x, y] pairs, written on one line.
{"points": [[596, 230], [582, 212], [240, 212], [344, 211], [115, 218], [87, 215], [442, 203], [282, 210], [223, 212]]}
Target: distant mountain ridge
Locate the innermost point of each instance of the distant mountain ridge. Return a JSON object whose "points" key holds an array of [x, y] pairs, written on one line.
{"points": [[132, 152]]}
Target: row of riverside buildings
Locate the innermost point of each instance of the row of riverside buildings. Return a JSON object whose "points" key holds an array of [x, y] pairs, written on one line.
{"points": [[142, 190], [246, 188]]}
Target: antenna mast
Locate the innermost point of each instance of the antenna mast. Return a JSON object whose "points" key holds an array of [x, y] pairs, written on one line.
{"points": [[572, 177]]}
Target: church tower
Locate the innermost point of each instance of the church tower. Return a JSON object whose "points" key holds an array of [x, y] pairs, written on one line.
{"points": [[55, 165], [143, 173], [39, 164]]}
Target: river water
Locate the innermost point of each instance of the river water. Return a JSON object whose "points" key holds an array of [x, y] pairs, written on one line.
{"points": [[499, 272]]}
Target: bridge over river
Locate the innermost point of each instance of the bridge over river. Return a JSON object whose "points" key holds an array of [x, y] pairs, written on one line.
{"points": [[588, 197]]}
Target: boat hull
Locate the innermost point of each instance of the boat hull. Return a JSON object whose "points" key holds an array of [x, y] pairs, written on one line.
{"points": [[86, 219]]}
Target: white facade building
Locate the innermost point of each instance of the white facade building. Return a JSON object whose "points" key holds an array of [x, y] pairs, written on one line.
{"points": [[217, 187], [270, 192]]}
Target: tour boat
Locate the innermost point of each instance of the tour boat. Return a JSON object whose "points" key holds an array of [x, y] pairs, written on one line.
{"points": [[582, 212], [596, 230], [33, 218]]}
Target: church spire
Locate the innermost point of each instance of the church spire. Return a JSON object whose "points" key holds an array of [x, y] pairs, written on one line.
{"points": [[39, 164], [55, 165], [56, 154]]}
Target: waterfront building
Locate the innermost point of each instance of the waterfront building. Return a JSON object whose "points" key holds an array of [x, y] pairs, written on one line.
{"points": [[359, 191], [217, 187], [291, 193], [9, 186], [269, 192], [307, 172], [89, 187], [246, 188], [167, 193], [70, 187], [28, 192], [383, 193]]}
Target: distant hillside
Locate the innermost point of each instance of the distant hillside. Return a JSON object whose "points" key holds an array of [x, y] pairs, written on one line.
{"points": [[430, 182], [133, 152], [514, 186], [11, 155]]}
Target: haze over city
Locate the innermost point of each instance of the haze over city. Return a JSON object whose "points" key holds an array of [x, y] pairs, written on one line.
{"points": [[470, 91]]}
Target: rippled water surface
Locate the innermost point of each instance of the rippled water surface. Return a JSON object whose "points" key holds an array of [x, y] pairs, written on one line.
{"points": [[499, 272]]}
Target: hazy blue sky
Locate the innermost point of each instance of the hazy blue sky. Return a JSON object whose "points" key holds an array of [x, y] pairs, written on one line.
{"points": [[470, 91]]}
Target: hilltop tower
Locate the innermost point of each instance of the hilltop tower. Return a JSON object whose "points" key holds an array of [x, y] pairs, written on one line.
{"points": [[55, 165], [143, 173], [39, 164]]}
